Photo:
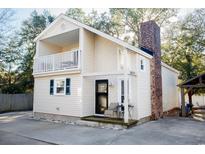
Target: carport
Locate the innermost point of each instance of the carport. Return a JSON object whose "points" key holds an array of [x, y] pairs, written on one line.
{"points": [[191, 87]]}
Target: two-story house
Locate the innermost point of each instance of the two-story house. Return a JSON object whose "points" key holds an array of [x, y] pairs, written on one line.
{"points": [[79, 71]]}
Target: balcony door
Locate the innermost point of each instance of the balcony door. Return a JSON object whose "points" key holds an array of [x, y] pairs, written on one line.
{"points": [[101, 95]]}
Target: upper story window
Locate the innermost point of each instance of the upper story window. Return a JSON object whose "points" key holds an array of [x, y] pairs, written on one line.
{"points": [[142, 64], [121, 59]]}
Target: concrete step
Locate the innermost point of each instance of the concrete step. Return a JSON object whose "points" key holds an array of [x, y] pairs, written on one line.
{"points": [[198, 118], [199, 111], [199, 115]]}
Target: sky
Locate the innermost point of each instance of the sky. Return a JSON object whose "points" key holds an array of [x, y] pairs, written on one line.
{"points": [[21, 14]]}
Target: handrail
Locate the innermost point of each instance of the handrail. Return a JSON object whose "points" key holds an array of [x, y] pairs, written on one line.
{"points": [[55, 62]]}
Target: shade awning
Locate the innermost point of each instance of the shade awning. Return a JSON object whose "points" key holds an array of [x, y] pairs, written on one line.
{"points": [[195, 82]]}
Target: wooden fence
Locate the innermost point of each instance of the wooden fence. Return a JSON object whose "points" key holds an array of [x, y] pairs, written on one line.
{"points": [[16, 102]]}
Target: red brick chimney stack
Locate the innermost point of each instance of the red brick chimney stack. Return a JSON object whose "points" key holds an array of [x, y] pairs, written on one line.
{"points": [[150, 41]]}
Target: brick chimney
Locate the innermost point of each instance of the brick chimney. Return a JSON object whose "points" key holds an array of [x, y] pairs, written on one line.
{"points": [[150, 42]]}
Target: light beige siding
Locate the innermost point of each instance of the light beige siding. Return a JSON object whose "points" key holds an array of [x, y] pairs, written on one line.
{"points": [[143, 89], [60, 27], [88, 97], [105, 55], [70, 47], [62, 105], [47, 48], [132, 61], [169, 89], [99, 54], [133, 97], [88, 51]]}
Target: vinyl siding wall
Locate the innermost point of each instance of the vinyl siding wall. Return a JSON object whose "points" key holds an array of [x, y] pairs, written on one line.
{"points": [[99, 55], [88, 85], [88, 51], [47, 48], [105, 55], [143, 89], [169, 89], [60, 27], [67, 104]]}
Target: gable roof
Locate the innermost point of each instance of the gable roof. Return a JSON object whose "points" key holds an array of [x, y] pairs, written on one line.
{"points": [[104, 35]]}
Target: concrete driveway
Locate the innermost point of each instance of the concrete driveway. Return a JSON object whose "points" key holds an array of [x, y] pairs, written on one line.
{"points": [[20, 128]]}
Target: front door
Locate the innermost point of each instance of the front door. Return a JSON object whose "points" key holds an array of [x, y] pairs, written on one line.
{"points": [[101, 95]]}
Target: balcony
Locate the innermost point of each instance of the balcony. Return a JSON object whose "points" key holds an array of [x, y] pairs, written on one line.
{"points": [[69, 60]]}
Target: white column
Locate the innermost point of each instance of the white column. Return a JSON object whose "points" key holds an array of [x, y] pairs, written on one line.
{"points": [[126, 114], [81, 48]]}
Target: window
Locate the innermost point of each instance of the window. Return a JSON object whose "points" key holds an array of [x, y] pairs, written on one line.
{"points": [[59, 86], [102, 88], [142, 64], [121, 59], [122, 91]]}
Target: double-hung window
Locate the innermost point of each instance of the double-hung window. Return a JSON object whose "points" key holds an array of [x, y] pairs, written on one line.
{"points": [[60, 87]]}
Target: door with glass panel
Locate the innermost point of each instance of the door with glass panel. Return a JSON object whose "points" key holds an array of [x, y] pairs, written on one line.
{"points": [[101, 95]]}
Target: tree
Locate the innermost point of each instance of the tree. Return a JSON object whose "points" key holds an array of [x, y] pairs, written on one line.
{"points": [[123, 23], [185, 45], [106, 23], [77, 14], [5, 32], [10, 59], [5, 17], [130, 19], [30, 29]]}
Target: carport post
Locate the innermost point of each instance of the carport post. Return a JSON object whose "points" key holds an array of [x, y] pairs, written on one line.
{"points": [[183, 102]]}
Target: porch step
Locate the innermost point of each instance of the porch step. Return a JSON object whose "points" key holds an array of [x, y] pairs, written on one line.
{"points": [[99, 125], [198, 115], [199, 118], [109, 121], [199, 111]]}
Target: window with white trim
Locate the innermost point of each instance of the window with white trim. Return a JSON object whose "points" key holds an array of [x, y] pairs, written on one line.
{"points": [[60, 86], [121, 59]]}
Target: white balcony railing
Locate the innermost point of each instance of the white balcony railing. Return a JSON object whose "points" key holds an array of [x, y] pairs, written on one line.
{"points": [[56, 62]]}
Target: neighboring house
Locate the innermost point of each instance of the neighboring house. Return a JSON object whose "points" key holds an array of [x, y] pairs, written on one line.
{"points": [[79, 71]]}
